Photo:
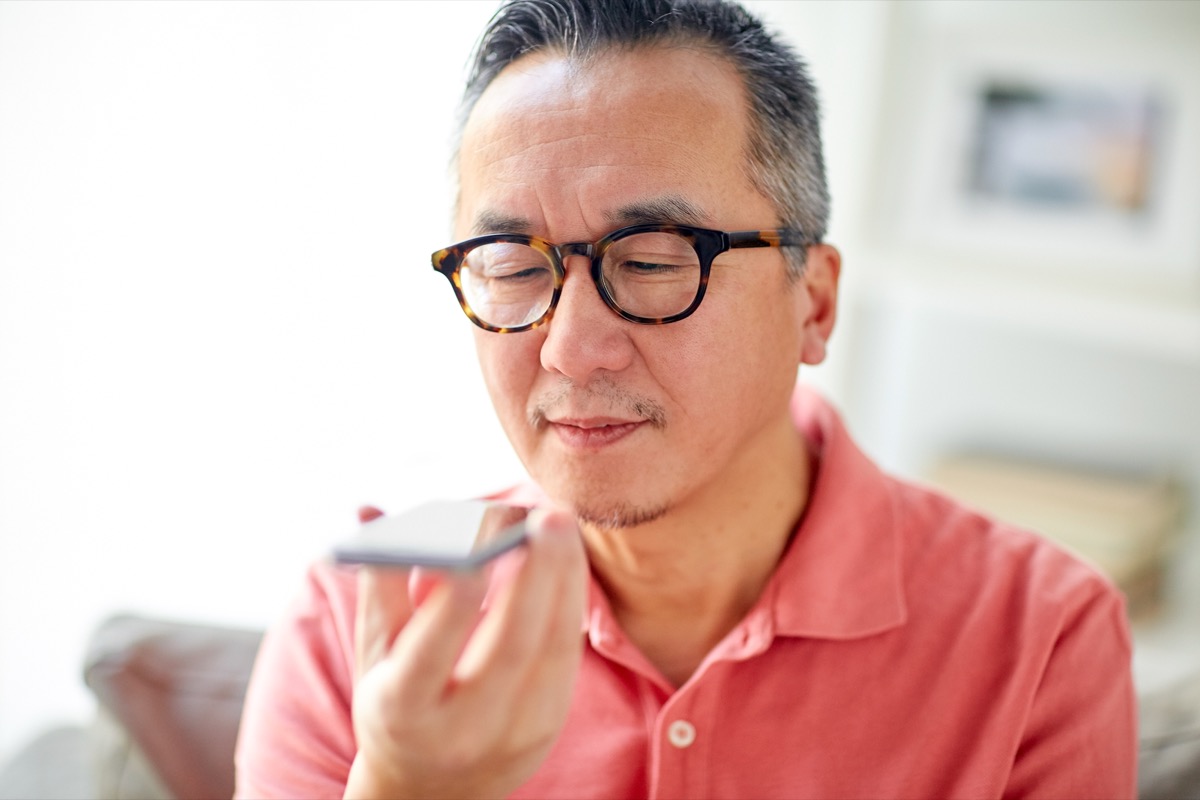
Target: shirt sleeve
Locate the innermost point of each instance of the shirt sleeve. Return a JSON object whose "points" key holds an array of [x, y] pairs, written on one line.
{"points": [[1081, 736], [297, 736]]}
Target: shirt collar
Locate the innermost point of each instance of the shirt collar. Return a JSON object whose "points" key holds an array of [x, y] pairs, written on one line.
{"points": [[840, 577]]}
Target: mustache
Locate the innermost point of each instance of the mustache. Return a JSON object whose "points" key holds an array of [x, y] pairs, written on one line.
{"points": [[610, 396]]}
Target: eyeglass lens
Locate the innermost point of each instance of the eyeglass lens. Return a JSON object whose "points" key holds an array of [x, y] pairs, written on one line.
{"points": [[651, 275]]}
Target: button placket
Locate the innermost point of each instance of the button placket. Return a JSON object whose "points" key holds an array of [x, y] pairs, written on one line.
{"points": [[679, 768], [683, 740]]}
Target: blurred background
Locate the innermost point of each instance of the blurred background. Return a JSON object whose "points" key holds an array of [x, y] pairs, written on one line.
{"points": [[220, 334]]}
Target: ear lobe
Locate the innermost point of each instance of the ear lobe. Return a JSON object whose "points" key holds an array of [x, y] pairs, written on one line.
{"points": [[817, 301]]}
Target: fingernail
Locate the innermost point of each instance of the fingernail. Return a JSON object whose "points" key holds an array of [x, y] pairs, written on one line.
{"points": [[368, 513]]}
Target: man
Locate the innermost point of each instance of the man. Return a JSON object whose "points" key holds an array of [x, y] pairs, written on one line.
{"points": [[642, 205]]}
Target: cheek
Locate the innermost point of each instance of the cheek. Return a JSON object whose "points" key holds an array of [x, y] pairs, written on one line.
{"points": [[753, 318], [509, 364], [742, 356]]}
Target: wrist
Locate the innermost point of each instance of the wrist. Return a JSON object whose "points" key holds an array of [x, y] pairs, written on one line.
{"points": [[367, 783]]}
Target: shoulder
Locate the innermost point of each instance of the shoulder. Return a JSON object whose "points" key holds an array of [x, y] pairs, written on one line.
{"points": [[313, 641], [322, 610], [961, 556], [1034, 630]]}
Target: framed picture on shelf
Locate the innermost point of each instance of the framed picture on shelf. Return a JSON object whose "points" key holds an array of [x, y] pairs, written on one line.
{"points": [[1058, 157], [1071, 149]]}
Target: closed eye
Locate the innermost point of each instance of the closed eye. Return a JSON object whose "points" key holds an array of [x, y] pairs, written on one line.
{"points": [[647, 267], [523, 274]]}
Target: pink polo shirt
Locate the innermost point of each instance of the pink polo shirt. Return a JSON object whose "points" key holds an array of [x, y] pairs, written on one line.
{"points": [[906, 647]]}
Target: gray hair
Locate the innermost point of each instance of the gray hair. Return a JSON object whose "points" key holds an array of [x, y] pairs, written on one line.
{"points": [[784, 160]]}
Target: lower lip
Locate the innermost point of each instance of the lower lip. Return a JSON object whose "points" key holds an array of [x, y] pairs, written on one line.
{"points": [[593, 438]]}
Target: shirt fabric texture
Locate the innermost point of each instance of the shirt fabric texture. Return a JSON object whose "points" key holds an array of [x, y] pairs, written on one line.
{"points": [[905, 647]]}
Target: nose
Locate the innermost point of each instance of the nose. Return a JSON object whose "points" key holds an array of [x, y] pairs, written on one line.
{"points": [[584, 337]]}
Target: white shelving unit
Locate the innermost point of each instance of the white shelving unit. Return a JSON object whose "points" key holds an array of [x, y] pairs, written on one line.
{"points": [[1081, 349], [944, 365]]}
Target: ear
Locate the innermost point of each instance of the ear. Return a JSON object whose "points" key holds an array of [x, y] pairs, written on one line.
{"points": [[817, 301]]}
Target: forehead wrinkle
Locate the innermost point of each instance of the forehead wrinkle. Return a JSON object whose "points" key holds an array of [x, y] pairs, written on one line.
{"points": [[614, 149]]}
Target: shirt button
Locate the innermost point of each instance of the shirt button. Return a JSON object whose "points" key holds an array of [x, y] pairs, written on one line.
{"points": [[681, 733]]}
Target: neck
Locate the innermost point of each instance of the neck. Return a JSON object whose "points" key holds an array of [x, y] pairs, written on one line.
{"points": [[679, 584]]}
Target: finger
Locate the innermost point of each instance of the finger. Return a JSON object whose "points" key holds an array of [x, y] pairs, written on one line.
{"points": [[527, 651], [426, 650], [515, 634], [382, 609], [562, 645], [566, 627]]}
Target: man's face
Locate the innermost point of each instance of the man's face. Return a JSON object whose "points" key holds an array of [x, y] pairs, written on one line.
{"points": [[617, 421]]}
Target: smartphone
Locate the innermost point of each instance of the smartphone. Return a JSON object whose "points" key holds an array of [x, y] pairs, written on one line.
{"points": [[457, 534]]}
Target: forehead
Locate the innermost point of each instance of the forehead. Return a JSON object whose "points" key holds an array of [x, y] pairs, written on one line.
{"points": [[618, 129]]}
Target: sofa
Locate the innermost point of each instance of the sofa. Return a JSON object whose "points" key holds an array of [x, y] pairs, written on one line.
{"points": [[169, 697]]}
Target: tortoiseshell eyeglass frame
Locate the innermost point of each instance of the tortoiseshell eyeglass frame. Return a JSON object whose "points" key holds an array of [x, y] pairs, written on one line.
{"points": [[707, 243]]}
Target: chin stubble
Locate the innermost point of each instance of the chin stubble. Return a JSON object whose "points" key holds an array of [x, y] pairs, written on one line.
{"points": [[618, 517]]}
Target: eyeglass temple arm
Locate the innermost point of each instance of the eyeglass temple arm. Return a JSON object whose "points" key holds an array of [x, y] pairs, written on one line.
{"points": [[783, 237]]}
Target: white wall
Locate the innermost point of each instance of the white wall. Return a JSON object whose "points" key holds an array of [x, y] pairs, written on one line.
{"points": [[219, 329]]}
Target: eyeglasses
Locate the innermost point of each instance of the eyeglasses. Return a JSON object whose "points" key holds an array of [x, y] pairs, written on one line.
{"points": [[649, 274]]}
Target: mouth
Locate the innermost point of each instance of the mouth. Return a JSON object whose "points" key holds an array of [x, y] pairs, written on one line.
{"points": [[593, 433]]}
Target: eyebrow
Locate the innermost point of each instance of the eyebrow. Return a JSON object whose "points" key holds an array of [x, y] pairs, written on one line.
{"points": [[496, 222], [671, 209]]}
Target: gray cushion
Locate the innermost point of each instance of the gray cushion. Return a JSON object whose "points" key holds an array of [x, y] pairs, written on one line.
{"points": [[177, 690], [119, 768], [1169, 753]]}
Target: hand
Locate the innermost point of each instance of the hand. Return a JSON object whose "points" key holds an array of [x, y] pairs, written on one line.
{"points": [[449, 704]]}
